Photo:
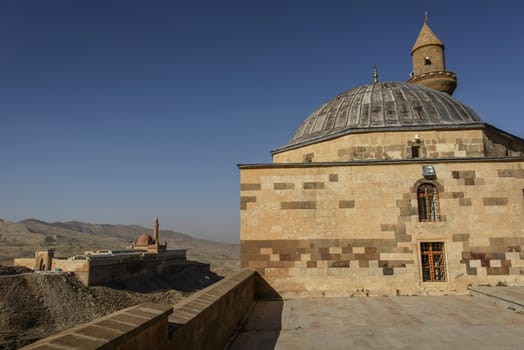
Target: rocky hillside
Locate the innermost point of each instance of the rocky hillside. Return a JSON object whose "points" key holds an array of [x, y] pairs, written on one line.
{"points": [[21, 239], [35, 305]]}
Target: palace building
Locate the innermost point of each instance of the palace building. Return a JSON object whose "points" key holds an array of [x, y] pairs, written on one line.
{"points": [[388, 188]]}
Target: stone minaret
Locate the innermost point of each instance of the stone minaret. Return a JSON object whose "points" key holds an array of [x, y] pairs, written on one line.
{"points": [[155, 230], [429, 67]]}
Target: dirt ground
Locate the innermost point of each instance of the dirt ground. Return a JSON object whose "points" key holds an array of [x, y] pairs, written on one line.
{"points": [[35, 305]]}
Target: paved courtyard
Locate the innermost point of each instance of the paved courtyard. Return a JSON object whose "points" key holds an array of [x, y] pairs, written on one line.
{"points": [[415, 322]]}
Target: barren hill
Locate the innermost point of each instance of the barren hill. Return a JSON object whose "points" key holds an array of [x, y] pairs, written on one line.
{"points": [[34, 305], [21, 239]]}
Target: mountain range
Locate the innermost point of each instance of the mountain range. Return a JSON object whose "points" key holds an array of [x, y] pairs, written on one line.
{"points": [[21, 239]]}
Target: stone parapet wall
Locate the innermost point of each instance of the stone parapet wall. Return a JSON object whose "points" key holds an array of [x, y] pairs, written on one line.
{"points": [[141, 327], [207, 319]]}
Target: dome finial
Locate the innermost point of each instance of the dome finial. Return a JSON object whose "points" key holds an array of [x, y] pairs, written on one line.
{"points": [[375, 74], [426, 16]]}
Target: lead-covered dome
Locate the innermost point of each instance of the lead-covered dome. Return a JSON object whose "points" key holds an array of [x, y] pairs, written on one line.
{"points": [[388, 105]]}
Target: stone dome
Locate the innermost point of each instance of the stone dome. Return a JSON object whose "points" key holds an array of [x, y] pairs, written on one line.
{"points": [[383, 106], [144, 240]]}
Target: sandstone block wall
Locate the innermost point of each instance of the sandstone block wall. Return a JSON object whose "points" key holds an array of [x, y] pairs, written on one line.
{"points": [[346, 229], [104, 270], [208, 319], [389, 145], [27, 262]]}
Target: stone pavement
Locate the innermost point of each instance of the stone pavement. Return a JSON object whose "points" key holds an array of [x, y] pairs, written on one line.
{"points": [[404, 322], [509, 297]]}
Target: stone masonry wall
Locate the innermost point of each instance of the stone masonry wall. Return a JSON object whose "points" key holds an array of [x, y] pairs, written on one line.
{"points": [[389, 145], [348, 229], [208, 318], [140, 327], [103, 271]]}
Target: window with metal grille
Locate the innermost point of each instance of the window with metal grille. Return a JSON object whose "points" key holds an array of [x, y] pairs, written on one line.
{"points": [[433, 261], [428, 204]]}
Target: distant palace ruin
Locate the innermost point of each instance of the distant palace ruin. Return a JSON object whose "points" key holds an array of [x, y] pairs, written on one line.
{"points": [[145, 256]]}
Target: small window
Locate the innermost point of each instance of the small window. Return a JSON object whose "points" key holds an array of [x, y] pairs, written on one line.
{"points": [[308, 158], [415, 151], [428, 204], [433, 261]]}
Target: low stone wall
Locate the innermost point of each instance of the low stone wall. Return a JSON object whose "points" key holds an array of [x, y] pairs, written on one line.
{"points": [[208, 318], [107, 269], [26, 262], [139, 327], [80, 268]]}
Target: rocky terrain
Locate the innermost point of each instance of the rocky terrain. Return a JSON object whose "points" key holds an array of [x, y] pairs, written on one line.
{"points": [[35, 305]]}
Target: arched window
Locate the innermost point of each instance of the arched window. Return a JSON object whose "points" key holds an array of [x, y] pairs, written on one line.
{"points": [[428, 205]]}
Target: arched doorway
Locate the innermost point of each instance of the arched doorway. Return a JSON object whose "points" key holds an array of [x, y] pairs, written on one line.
{"points": [[41, 264]]}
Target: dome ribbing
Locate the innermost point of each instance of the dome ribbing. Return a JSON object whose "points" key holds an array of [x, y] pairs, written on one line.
{"points": [[383, 105]]}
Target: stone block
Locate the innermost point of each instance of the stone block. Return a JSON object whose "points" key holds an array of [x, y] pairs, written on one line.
{"points": [[311, 264], [388, 227], [497, 271], [363, 263], [460, 237], [494, 201], [475, 263], [266, 251], [283, 186], [346, 204], [73, 341], [246, 199], [465, 202], [95, 331], [250, 187], [359, 250], [335, 250], [298, 205], [468, 174], [305, 257], [513, 256], [289, 257], [495, 263], [313, 185], [340, 263]]}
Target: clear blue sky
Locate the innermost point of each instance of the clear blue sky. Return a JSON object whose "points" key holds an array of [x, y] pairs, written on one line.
{"points": [[117, 111]]}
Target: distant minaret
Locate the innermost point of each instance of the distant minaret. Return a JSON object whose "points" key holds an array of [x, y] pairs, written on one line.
{"points": [[155, 230], [429, 67]]}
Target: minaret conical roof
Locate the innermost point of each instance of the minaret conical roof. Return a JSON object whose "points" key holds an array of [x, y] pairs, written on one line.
{"points": [[426, 37]]}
